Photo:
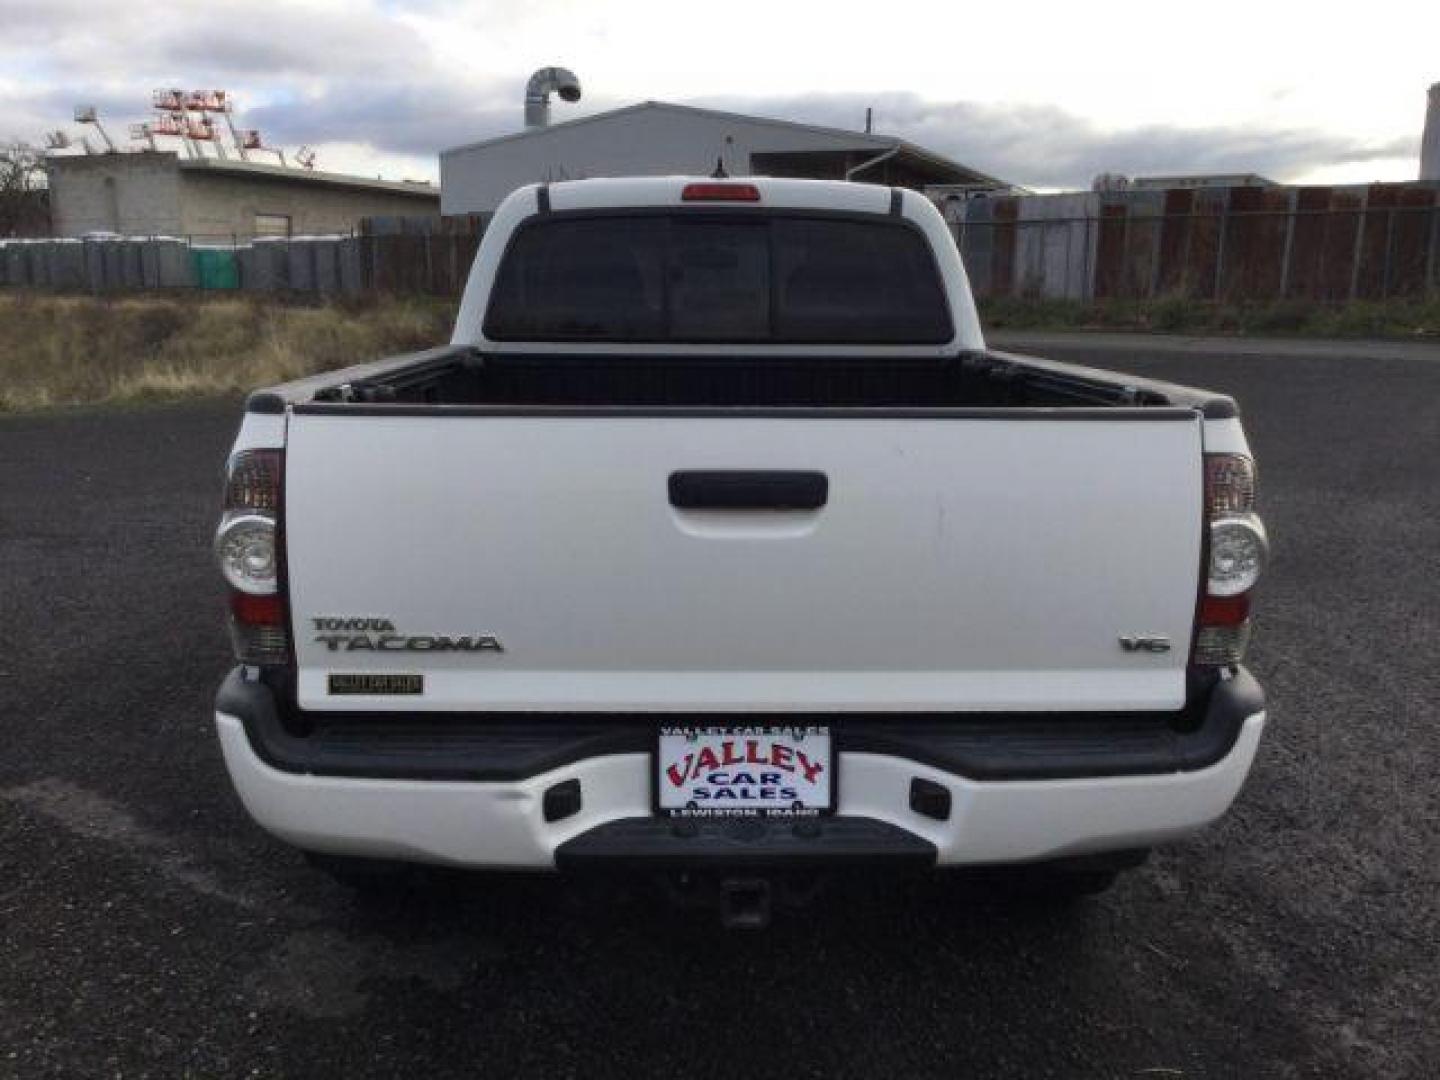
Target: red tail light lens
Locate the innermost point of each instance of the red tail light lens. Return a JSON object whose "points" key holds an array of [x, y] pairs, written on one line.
{"points": [[247, 546], [1224, 610], [257, 610], [720, 193]]}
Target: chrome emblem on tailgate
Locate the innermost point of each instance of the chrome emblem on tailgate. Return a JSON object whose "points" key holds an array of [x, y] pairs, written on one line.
{"points": [[376, 634], [1155, 643]]}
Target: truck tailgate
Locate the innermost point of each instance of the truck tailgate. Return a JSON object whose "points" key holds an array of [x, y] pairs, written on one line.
{"points": [[958, 562]]}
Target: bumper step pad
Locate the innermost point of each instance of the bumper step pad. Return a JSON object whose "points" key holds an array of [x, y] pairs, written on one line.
{"points": [[691, 844]]}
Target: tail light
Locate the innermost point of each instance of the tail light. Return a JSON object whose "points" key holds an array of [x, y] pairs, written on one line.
{"points": [[247, 546], [1237, 549]]}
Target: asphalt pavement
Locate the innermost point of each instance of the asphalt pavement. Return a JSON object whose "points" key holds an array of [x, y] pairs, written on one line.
{"points": [[147, 928]]}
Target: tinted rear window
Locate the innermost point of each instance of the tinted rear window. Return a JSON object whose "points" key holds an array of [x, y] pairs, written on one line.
{"points": [[716, 277]]}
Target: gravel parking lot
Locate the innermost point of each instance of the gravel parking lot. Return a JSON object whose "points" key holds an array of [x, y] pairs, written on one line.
{"points": [[148, 929]]}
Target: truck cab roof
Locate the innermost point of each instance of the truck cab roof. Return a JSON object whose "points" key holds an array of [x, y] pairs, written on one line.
{"points": [[655, 191]]}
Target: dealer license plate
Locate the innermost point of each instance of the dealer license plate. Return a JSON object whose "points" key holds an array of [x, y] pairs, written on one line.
{"points": [[714, 771]]}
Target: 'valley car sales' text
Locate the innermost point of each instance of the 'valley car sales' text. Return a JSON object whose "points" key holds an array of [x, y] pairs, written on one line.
{"points": [[738, 769]]}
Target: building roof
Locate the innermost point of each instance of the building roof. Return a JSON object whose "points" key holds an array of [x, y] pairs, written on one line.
{"points": [[858, 140], [1203, 180], [264, 171], [254, 170]]}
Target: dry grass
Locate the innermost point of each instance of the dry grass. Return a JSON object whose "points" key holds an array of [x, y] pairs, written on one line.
{"points": [[1404, 318], [67, 350], [71, 350]]}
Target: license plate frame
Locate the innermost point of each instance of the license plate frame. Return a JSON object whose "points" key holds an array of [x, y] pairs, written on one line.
{"points": [[751, 749]]}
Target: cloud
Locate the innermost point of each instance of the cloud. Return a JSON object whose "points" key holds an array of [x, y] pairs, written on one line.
{"points": [[418, 119], [116, 39], [1036, 146], [1047, 146], [346, 72]]}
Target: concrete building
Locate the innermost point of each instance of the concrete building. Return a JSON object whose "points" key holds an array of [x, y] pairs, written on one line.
{"points": [[656, 138], [160, 193]]}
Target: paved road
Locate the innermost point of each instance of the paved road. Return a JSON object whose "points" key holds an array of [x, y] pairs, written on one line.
{"points": [[146, 928]]}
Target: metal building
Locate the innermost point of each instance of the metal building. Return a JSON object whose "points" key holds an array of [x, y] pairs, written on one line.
{"points": [[656, 138], [159, 193]]}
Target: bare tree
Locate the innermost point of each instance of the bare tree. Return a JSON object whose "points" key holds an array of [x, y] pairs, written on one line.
{"points": [[24, 209]]}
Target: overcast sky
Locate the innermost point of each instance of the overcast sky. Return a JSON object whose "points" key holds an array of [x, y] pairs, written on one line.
{"points": [[1041, 94]]}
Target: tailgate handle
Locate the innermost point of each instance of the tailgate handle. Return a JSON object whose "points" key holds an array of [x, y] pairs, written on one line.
{"points": [[753, 489]]}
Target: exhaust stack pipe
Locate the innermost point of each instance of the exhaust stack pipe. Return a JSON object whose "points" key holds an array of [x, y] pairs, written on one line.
{"points": [[542, 84]]}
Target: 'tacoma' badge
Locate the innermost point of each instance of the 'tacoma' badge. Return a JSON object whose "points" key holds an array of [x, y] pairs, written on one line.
{"points": [[376, 634]]}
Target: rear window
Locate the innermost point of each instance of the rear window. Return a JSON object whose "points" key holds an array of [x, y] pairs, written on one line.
{"points": [[716, 277]]}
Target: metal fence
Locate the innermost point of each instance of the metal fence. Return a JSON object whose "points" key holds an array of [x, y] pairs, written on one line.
{"points": [[1334, 254], [385, 255], [1212, 249]]}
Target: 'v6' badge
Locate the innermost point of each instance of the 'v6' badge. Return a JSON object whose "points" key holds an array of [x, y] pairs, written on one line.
{"points": [[1156, 643]]}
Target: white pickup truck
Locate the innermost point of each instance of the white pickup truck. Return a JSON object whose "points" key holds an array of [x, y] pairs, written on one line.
{"points": [[717, 544]]}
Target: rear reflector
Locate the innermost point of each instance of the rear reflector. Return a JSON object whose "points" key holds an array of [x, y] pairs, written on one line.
{"points": [[262, 646], [1221, 646], [257, 629], [720, 193]]}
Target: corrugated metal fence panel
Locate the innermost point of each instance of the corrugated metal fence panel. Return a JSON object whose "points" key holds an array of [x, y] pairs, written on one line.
{"points": [[1394, 249], [350, 264], [1309, 243], [1207, 242], [265, 265], [215, 268], [1371, 250], [326, 258], [166, 264], [1110, 251], [1054, 246], [1412, 241], [977, 241], [1255, 231], [1339, 257], [1142, 243], [1002, 251], [17, 264], [300, 264]]}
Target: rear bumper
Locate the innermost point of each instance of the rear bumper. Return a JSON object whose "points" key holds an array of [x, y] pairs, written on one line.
{"points": [[1034, 809]]}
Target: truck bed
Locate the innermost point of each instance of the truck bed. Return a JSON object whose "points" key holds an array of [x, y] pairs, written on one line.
{"points": [[463, 378]]}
